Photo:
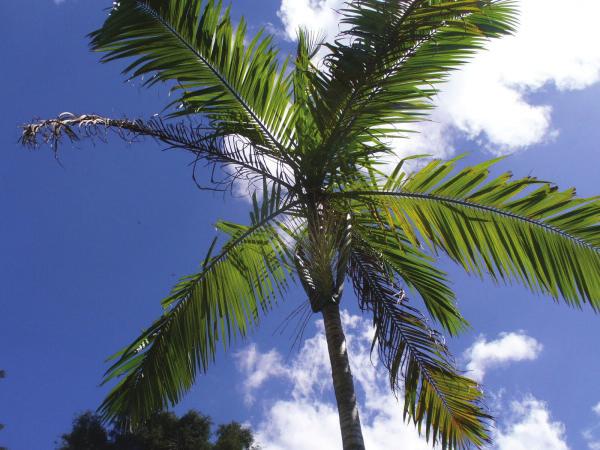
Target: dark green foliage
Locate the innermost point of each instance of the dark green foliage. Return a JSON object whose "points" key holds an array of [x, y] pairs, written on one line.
{"points": [[163, 431], [88, 434], [232, 437]]}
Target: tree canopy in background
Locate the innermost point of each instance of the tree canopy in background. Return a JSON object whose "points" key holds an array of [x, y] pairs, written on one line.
{"points": [[164, 431]]}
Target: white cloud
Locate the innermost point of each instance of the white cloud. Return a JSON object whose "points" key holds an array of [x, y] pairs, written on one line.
{"points": [[317, 15], [246, 182], [285, 423], [509, 347], [592, 435], [310, 405], [489, 100], [259, 367], [426, 138], [531, 428], [487, 110], [593, 442]]}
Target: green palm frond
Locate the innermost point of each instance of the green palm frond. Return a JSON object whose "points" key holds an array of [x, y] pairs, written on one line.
{"points": [[384, 69], [220, 303], [411, 265], [524, 230], [307, 131], [197, 48], [441, 402]]}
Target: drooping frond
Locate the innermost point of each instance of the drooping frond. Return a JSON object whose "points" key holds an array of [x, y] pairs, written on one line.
{"points": [[236, 155], [385, 67], [195, 46], [220, 303], [441, 402], [410, 265], [524, 230]]}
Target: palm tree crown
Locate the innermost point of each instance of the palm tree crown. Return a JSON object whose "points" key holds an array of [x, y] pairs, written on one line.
{"points": [[309, 139]]}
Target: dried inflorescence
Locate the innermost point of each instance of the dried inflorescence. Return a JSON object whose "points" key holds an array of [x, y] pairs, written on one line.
{"points": [[72, 127]]}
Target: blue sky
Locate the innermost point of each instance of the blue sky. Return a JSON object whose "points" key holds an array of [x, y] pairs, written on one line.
{"points": [[89, 248]]}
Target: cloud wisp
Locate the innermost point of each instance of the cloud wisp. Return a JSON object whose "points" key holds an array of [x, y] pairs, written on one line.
{"points": [[592, 435], [530, 427], [509, 347]]}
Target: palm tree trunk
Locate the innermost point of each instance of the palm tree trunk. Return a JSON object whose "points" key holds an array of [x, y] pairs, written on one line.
{"points": [[343, 384]]}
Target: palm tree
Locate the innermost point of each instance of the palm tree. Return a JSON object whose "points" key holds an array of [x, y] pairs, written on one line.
{"points": [[309, 140]]}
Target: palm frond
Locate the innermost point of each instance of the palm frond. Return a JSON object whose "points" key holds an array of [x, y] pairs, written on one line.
{"points": [[307, 131], [441, 402], [385, 68], [228, 152], [523, 230], [409, 264], [220, 303], [195, 46]]}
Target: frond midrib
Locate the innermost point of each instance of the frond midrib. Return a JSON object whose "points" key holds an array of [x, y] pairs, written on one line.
{"points": [[473, 205], [415, 354], [155, 129], [153, 13], [374, 76], [232, 245], [218, 258]]}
